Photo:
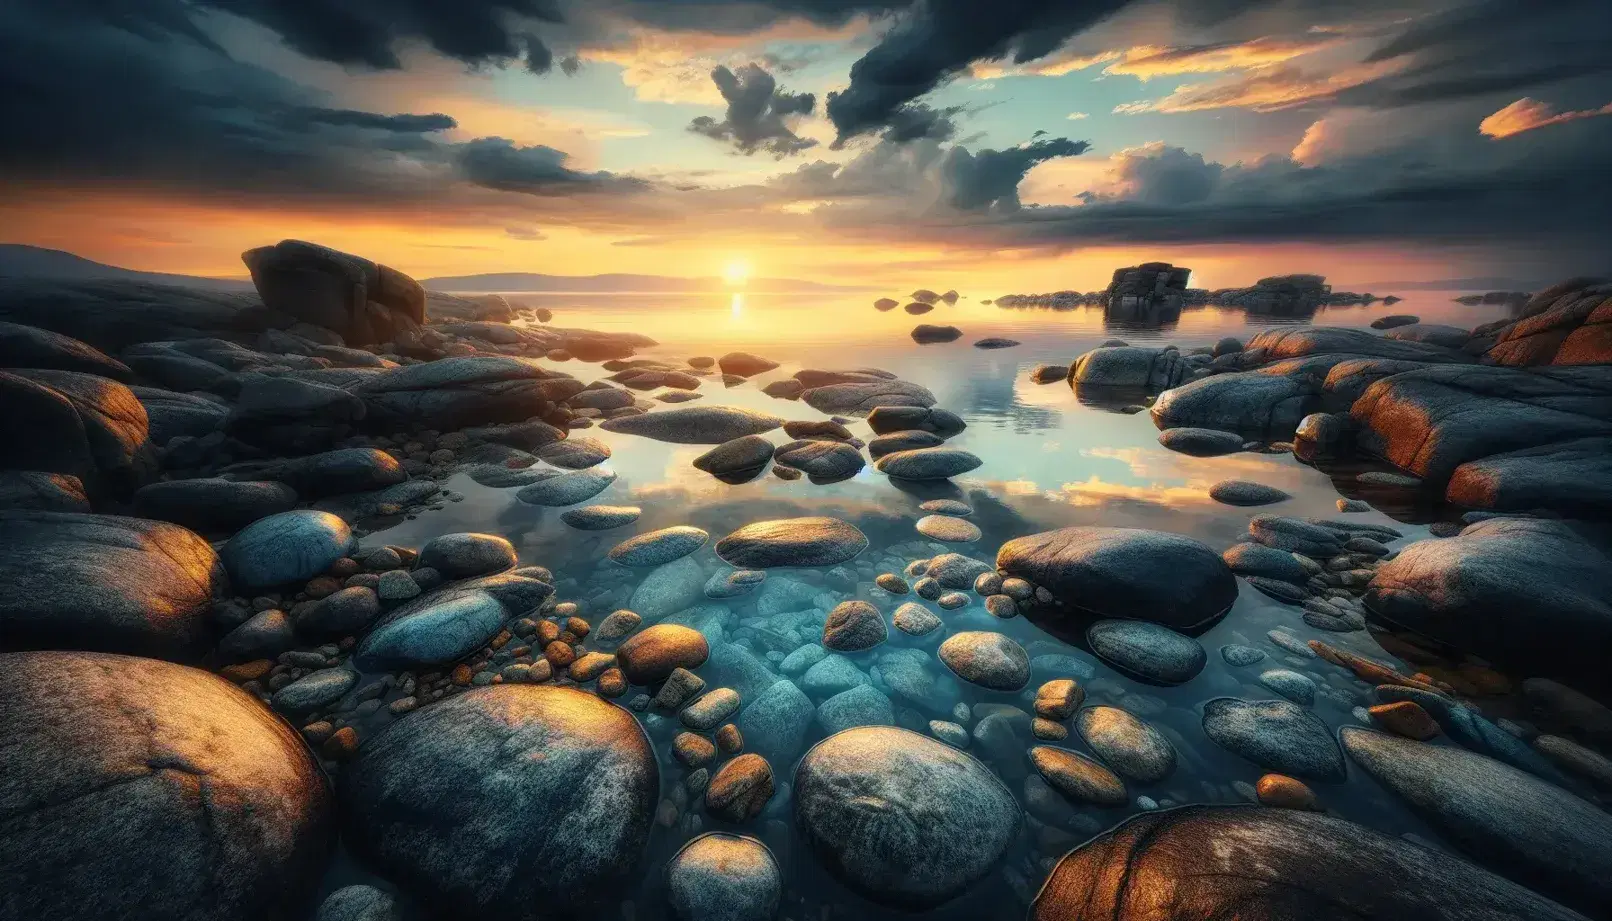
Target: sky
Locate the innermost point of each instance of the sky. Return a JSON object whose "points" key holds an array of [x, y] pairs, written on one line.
{"points": [[1010, 145]]}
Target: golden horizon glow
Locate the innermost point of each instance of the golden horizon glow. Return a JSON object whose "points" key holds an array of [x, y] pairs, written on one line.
{"points": [[736, 273]]}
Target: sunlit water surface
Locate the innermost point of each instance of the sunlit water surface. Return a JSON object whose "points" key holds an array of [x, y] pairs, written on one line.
{"points": [[1049, 461]]}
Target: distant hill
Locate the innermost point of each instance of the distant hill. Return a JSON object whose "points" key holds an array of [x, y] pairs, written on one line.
{"points": [[18, 260], [618, 283], [21, 261], [1479, 283]]}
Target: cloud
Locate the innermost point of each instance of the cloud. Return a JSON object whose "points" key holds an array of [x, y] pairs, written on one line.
{"points": [[525, 233], [1147, 61], [938, 39], [1076, 116], [757, 113], [1527, 114], [498, 163], [989, 180], [1157, 174], [919, 121]]}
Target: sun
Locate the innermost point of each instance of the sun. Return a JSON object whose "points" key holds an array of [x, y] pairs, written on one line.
{"points": [[736, 273]]}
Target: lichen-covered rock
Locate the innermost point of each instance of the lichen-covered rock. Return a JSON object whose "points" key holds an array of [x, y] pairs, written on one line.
{"points": [[523, 801], [152, 791]]}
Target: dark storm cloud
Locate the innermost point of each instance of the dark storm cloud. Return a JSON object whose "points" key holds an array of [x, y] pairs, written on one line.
{"points": [[757, 109], [939, 38], [990, 179], [497, 163], [919, 121]]}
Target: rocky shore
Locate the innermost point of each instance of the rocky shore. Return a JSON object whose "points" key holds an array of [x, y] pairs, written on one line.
{"points": [[223, 695]]}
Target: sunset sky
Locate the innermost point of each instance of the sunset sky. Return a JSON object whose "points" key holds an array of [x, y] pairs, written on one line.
{"points": [[1011, 145]]}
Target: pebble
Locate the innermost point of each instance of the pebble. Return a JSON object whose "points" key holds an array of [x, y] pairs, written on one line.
{"points": [[1018, 589], [1239, 656], [711, 709], [1001, 607], [740, 789], [951, 601], [319, 689], [681, 687], [693, 751], [658, 548], [1047, 730], [612, 683], [396, 585], [950, 733], [1147, 651], [1058, 699], [947, 507], [1290, 684], [590, 666], [914, 619], [601, 517], [1405, 718], [1078, 778], [892, 583], [1245, 493], [1284, 792], [1352, 506], [854, 626], [616, 626], [729, 740], [989, 660]]}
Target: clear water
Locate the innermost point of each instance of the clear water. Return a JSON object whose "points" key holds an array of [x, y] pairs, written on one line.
{"points": [[1049, 461]]}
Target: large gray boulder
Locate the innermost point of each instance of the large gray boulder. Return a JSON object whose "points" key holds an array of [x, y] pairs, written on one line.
{"points": [[1272, 865], [112, 315], [1304, 341], [31, 347], [1569, 323], [1573, 477], [1534, 832], [77, 424], [290, 414], [517, 801], [862, 397], [1123, 573], [723, 877], [452, 393], [1523, 591], [1256, 404], [902, 819], [285, 549], [169, 414], [1433, 420], [213, 505], [362, 301], [146, 790], [44, 492], [98, 582], [331, 473]]}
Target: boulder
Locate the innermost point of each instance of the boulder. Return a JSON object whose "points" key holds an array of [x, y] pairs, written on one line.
{"points": [[702, 425], [1261, 863], [81, 425], [291, 547], [1304, 341], [1146, 370], [1534, 832], [989, 660], [1526, 592], [1573, 477], [1122, 572], [1129, 746], [154, 791], [886, 419], [43, 492], [1256, 404], [823, 461], [744, 457], [903, 820], [31, 347], [1277, 735], [291, 415], [433, 629], [925, 333], [213, 505], [862, 397], [169, 414], [460, 556], [1147, 651], [361, 300], [76, 581], [927, 464], [649, 656], [744, 364], [1201, 442], [518, 801], [1450, 337], [332, 473], [657, 548], [112, 314], [1569, 323], [1245, 493]]}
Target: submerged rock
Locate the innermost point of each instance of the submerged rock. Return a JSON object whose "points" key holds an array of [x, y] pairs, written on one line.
{"points": [[698, 425], [1277, 735], [947, 529], [548, 793], [989, 660], [460, 556], [723, 877], [902, 819], [792, 542], [140, 790], [434, 629], [669, 589], [1534, 832], [658, 548], [854, 626], [566, 488], [1147, 651], [1129, 746], [1077, 777], [601, 517], [775, 722], [1122, 572], [286, 548], [1257, 863]]}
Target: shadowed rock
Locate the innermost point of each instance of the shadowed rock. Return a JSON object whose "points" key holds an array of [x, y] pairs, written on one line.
{"points": [[698, 425], [31, 347], [85, 426]]}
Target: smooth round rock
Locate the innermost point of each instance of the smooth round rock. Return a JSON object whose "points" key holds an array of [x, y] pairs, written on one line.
{"points": [[1165, 578], [822, 460], [949, 530], [743, 455], [1290, 684], [1250, 863], [1244, 493], [1129, 746], [601, 517], [285, 548], [1147, 651], [914, 619], [947, 507], [740, 789], [133, 787], [1237, 655], [1077, 777], [695, 425], [359, 903], [659, 547], [433, 629], [723, 877], [502, 799], [854, 626], [460, 556], [567, 488], [1277, 735], [792, 542], [989, 660], [212, 504], [650, 655], [575, 453], [902, 819], [317, 689], [927, 464]]}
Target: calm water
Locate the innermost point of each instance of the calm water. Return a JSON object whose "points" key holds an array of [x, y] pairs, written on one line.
{"points": [[1049, 462]]}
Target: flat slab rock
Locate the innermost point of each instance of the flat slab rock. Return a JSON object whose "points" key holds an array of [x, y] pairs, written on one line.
{"points": [[699, 425], [1255, 862], [814, 541]]}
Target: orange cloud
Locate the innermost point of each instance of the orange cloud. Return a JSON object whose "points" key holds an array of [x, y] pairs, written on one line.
{"points": [[1145, 61], [1527, 114], [675, 67], [1265, 90]]}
